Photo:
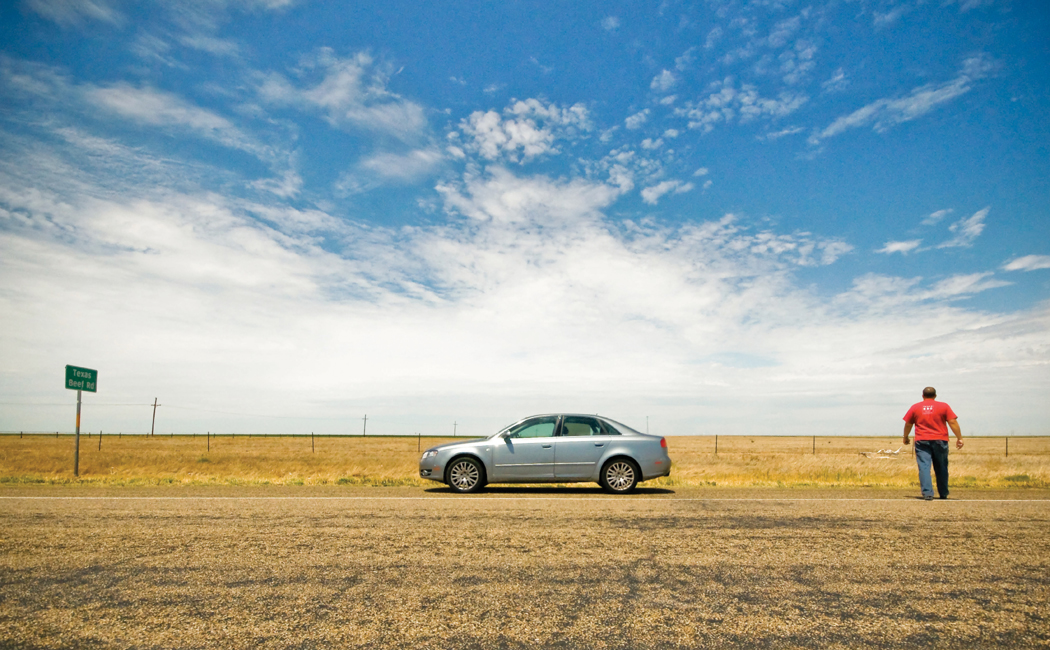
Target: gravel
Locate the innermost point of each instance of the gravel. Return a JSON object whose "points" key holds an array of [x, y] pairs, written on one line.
{"points": [[521, 568]]}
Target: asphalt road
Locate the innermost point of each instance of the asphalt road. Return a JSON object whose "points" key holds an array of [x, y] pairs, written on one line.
{"points": [[522, 568]]}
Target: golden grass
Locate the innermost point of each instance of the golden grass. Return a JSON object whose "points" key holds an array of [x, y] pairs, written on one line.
{"points": [[741, 461]]}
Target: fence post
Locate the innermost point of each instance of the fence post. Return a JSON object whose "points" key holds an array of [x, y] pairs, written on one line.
{"points": [[209, 440], [100, 439], [312, 442], [814, 445], [1008, 447], [716, 444]]}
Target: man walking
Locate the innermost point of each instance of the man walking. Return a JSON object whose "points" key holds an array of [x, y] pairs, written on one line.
{"points": [[931, 440]]}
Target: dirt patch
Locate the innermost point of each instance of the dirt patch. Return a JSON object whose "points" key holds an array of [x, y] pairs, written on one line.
{"points": [[385, 568]]}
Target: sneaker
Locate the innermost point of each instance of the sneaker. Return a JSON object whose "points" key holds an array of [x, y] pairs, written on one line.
{"points": [[927, 497], [944, 497]]}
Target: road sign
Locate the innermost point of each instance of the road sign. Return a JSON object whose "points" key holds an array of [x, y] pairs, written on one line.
{"points": [[81, 379]]}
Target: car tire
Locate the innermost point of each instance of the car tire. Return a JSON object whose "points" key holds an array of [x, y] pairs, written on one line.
{"points": [[620, 476], [465, 475]]}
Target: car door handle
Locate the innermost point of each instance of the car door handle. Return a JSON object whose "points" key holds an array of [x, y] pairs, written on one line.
{"points": [[599, 444], [546, 446]]}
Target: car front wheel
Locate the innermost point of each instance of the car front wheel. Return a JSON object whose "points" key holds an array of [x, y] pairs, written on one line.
{"points": [[620, 476], [466, 475]]}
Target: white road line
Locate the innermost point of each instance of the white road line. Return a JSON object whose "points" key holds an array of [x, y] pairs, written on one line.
{"points": [[605, 499]]}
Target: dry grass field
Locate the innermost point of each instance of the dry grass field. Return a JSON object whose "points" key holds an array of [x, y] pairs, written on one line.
{"points": [[382, 461], [344, 567]]}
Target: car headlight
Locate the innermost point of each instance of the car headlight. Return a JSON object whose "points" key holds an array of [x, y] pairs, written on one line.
{"points": [[430, 453]]}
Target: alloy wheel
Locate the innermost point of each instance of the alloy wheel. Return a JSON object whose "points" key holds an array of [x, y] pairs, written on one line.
{"points": [[464, 476], [620, 476]]}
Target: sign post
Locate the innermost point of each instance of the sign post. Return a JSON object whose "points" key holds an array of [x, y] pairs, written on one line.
{"points": [[80, 379]]}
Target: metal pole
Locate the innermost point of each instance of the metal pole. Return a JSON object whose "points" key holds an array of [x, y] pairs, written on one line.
{"points": [[312, 442], [76, 449], [364, 428], [154, 417], [716, 444], [208, 435], [1007, 447], [100, 439], [454, 424]]}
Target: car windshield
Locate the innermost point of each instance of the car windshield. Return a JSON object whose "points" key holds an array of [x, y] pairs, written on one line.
{"points": [[507, 428]]}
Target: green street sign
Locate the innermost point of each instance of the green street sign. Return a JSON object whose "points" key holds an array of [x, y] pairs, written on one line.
{"points": [[81, 379]]}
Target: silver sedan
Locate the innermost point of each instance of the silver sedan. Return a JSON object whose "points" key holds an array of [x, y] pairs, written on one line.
{"points": [[561, 448]]}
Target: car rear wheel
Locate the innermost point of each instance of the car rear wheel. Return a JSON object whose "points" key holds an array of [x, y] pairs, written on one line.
{"points": [[620, 476], [466, 475]]}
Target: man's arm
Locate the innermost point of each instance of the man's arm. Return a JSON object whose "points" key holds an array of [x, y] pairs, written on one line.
{"points": [[954, 424], [907, 431]]}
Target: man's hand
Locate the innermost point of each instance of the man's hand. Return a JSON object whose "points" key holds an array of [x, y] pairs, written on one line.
{"points": [[906, 440], [958, 443]]}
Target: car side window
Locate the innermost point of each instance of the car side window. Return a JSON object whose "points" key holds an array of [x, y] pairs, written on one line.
{"points": [[540, 428], [608, 429], [580, 426]]}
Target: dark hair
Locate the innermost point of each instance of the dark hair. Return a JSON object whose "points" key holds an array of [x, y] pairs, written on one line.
{"points": [[929, 392]]}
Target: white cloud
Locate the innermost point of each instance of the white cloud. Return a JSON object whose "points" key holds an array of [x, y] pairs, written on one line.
{"points": [[837, 83], [903, 247], [884, 114], [783, 31], [703, 171], [965, 231], [684, 62], [471, 314], [610, 23], [651, 195], [663, 81], [796, 63], [887, 18], [1028, 263], [649, 143], [727, 103], [388, 168], [409, 166], [154, 107], [75, 12], [288, 185], [211, 44], [936, 216], [712, 38], [526, 129], [776, 135], [637, 120], [671, 133], [352, 92]]}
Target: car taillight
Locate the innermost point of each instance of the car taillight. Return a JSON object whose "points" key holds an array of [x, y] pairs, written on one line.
{"points": [[663, 442]]}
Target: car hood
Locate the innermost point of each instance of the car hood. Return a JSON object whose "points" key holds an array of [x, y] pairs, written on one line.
{"points": [[457, 443]]}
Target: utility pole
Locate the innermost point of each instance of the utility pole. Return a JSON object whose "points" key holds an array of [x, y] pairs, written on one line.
{"points": [[154, 424], [454, 429], [364, 429]]}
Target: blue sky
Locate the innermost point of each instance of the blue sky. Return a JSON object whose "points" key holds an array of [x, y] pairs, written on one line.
{"points": [[774, 217]]}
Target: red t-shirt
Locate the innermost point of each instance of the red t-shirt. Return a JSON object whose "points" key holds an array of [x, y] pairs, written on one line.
{"points": [[930, 418]]}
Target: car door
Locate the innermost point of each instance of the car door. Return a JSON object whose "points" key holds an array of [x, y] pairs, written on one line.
{"points": [[578, 447], [526, 452]]}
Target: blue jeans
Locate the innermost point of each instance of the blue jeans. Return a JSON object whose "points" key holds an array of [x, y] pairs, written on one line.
{"points": [[932, 452]]}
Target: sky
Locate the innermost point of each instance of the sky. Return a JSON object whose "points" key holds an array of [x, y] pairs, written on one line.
{"points": [[280, 216]]}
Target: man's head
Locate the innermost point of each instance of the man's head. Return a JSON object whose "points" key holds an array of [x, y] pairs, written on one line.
{"points": [[929, 392]]}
